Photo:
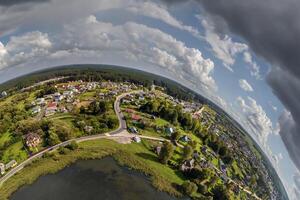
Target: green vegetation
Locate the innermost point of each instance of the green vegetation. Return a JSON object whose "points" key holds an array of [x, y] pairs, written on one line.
{"points": [[135, 156]]}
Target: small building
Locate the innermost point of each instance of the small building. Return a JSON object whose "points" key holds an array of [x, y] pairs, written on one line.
{"points": [[187, 165], [40, 101], [88, 129], [169, 131], [3, 94], [158, 150], [36, 109], [185, 138], [196, 155], [58, 97], [68, 93], [48, 97], [63, 109], [135, 117], [2, 168], [137, 139], [11, 164], [51, 109], [32, 140], [204, 149]]}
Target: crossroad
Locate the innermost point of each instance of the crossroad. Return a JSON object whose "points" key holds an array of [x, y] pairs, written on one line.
{"points": [[119, 132]]}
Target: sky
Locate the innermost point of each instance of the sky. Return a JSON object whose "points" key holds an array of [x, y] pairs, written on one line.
{"points": [[243, 55]]}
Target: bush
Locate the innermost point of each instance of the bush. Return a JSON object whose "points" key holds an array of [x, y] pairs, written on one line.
{"points": [[189, 188], [63, 150], [166, 152], [72, 146]]}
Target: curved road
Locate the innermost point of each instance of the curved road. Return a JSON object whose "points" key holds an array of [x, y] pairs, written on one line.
{"points": [[122, 127]]}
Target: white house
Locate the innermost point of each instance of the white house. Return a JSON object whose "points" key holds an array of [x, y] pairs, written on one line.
{"points": [[40, 101], [36, 109]]}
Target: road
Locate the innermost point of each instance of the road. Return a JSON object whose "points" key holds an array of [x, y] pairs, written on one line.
{"points": [[119, 132], [122, 127]]}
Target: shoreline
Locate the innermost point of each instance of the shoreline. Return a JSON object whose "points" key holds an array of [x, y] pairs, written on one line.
{"points": [[125, 155]]}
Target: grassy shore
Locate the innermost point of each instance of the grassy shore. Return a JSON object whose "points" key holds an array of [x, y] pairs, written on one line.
{"points": [[135, 156]]}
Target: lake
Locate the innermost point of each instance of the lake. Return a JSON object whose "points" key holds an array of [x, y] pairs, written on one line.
{"points": [[92, 180]]}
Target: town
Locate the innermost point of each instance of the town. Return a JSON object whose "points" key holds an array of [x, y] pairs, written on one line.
{"points": [[195, 140]]}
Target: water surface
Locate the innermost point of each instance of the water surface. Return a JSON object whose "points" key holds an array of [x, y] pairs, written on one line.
{"points": [[92, 180]]}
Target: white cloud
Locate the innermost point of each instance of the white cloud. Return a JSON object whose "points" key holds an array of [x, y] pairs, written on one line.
{"points": [[257, 119], [90, 38], [139, 42], [160, 12], [224, 48], [245, 85], [254, 68], [23, 48]]}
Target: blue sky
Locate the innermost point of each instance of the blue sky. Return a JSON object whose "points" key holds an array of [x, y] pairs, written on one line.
{"points": [[180, 42]]}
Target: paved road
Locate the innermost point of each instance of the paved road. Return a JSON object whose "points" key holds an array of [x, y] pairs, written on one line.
{"points": [[116, 133], [122, 127]]}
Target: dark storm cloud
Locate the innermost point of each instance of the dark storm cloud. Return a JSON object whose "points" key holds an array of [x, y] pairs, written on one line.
{"points": [[15, 2], [272, 30]]}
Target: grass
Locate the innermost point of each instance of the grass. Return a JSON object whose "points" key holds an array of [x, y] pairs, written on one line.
{"points": [[4, 138], [135, 156], [237, 170], [16, 152], [161, 122]]}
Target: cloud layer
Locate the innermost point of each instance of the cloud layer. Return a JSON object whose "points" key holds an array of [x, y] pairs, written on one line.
{"points": [[257, 118], [272, 30], [245, 85]]}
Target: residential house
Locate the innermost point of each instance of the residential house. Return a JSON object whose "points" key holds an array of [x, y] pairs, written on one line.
{"points": [[58, 97], [196, 155], [157, 150], [48, 97], [63, 109], [3, 94], [2, 168], [187, 165], [222, 167], [36, 109], [169, 131], [135, 117], [185, 138], [51, 109], [40, 101], [68, 94], [32, 140], [88, 129], [11, 164]]}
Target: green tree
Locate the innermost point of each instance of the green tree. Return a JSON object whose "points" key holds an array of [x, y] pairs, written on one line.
{"points": [[166, 152], [220, 192], [72, 146], [175, 136], [187, 152], [103, 106], [189, 188], [53, 138]]}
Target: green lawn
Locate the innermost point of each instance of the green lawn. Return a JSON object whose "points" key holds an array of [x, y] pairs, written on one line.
{"points": [[87, 95], [4, 138], [16, 152], [161, 122]]}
